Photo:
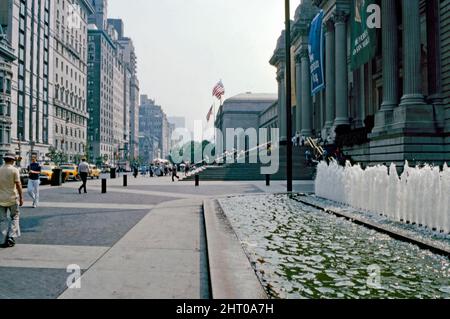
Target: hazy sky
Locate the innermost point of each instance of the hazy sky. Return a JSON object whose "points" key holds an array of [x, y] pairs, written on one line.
{"points": [[185, 47]]}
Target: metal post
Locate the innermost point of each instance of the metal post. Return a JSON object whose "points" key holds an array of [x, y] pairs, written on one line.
{"points": [[288, 98], [197, 180], [103, 185], [125, 180], [267, 180]]}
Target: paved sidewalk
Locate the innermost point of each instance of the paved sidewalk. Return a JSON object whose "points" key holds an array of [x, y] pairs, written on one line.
{"points": [[142, 241], [164, 256]]}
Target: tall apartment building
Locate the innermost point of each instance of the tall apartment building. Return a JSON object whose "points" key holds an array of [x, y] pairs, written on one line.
{"points": [[27, 25], [154, 130], [101, 56], [7, 56], [119, 105], [70, 76], [109, 88], [131, 89]]}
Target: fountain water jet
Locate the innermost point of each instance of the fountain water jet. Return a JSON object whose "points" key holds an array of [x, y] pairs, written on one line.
{"points": [[419, 196]]}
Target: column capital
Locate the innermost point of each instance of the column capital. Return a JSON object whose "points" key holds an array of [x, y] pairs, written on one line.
{"points": [[340, 17], [328, 25], [303, 53]]}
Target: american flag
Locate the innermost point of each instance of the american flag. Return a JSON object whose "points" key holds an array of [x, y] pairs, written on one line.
{"points": [[219, 90], [210, 113]]}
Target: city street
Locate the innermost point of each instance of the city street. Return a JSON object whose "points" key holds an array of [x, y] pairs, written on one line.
{"points": [[143, 241]]}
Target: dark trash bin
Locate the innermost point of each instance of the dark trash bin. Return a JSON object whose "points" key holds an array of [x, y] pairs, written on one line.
{"points": [[113, 173], [57, 177]]}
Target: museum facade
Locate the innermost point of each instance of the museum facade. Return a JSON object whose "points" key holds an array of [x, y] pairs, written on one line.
{"points": [[392, 104]]}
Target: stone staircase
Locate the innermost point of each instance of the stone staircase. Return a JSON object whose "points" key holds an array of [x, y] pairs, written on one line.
{"points": [[252, 172]]}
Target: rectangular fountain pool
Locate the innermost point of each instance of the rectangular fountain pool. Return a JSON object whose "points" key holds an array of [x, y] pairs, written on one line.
{"points": [[301, 252]]}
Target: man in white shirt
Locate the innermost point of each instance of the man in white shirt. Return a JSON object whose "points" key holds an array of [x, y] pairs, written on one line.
{"points": [[83, 170], [10, 191]]}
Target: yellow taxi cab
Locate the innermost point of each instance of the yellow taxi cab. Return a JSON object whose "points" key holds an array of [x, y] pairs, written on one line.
{"points": [[46, 173], [70, 171], [94, 172]]}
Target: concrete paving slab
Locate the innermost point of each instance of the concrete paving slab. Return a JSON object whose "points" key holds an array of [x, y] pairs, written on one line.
{"points": [[98, 206], [50, 257], [130, 284], [27, 283], [141, 264], [183, 234], [152, 260]]}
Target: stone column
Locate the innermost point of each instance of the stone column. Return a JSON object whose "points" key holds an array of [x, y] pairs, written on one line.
{"points": [[298, 87], [413, 114], [390, 55], [340, 25], [306, 94], [357, 92], [330, 90], [434, 59], [362, 94], [282, 105], [412, 79], [390, 40], [279, 101], [434, 51]]}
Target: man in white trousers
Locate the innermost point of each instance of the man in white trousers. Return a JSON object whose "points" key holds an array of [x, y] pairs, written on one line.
{"points": [[34, 171], [10, 200]]}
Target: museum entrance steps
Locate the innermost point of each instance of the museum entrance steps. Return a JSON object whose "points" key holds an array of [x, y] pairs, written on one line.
{"points": [[252, 172]]}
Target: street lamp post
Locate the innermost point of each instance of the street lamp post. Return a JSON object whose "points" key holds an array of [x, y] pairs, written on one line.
{"points": [[288, 98]]}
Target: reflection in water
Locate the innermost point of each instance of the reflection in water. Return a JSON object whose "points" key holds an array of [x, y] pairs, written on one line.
{"points": [[300, 252]]}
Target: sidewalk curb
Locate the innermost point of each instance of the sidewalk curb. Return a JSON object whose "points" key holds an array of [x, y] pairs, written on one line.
{"points": [[231, 274]]}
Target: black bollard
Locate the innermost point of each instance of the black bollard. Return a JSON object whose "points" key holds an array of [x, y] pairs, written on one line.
{"points": [[104, 186], [197, 180], [125, 180], [267, 180]]}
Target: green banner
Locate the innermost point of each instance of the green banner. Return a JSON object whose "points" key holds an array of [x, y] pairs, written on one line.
{"points": [[364, 35]]}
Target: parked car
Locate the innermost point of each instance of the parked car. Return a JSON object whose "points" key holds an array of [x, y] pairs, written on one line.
{"points": [[24, 176], [106, 169], [47, 173], [94, 172], [71, 172]]}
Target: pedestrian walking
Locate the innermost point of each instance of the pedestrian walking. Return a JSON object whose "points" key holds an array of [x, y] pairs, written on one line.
{"points": [[83, 170], [10, 191], [175, 173], [187, 168], [308, 158], [151, 171], [34, 174], [135, 171]]}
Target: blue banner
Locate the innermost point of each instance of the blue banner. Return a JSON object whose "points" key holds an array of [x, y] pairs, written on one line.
{"points": [[316, 54]]}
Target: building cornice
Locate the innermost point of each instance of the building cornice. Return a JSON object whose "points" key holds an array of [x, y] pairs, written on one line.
{"points": [[105, 34], [280, 51], [304, 14], [87, 4], [7, 52]]}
